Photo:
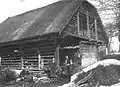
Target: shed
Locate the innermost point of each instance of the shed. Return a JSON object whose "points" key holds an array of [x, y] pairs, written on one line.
{"points": [[36, 37]]}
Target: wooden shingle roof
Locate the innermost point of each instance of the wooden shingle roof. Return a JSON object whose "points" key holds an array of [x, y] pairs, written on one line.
{"points": [[48, 19]]}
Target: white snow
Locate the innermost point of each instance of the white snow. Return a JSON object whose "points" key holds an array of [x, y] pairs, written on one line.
{"points": [[65, 85], [42, 79], [70, 84], [104, 63]]}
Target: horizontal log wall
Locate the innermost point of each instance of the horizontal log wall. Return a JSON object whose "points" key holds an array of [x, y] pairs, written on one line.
{"points": [[10, 57], [18, 56]]}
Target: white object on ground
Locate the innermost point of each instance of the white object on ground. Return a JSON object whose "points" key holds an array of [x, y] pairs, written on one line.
{"points": [[104, 63], [43, 79]]}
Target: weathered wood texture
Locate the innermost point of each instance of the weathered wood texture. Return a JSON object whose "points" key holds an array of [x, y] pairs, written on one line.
{"points": [[13, 56]]}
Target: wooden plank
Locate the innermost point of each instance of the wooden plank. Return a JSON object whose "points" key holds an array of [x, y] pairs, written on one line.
{"points": [[39, 48], [88, 26], [48, 56], [50, 53], [96, 30], [41, 53], [57, 55], [39, 43], [86, 12], [28, 53], [39, 61], [10, 61], [50, 48], [78, 23]]}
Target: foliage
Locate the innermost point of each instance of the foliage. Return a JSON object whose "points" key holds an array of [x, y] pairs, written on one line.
{"points": [[118, 20], [109, 12], [107, 9]]}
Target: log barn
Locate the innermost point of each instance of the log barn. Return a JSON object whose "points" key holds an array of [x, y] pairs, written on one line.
{"points": [[36, 37]]}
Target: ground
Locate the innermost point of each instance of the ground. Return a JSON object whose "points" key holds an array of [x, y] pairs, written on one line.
{"points": [[51, 83]]}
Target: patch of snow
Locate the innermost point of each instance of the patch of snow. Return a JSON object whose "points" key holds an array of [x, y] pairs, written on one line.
{"points": [[70, 84], [42, 79], [65, 85], [104, 63]]}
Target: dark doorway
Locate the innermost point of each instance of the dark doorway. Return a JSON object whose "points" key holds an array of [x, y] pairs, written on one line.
{"points": [[63, 53]]}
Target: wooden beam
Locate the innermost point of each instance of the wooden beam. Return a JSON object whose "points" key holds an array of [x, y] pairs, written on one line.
{"points": [[96, 33], [57, 55], [88, 26], [22, 63], [92, 25], [78, 23], [39, 61], [86, 12], [0, 60]]}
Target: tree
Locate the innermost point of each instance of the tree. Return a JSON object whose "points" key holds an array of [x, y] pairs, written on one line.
{"points": [[108, 11], [118, 20]]}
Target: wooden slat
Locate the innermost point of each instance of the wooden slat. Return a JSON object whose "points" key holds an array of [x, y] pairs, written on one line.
{"points": [[48, 56], [29, 52], [38, 47], [39, 44]]}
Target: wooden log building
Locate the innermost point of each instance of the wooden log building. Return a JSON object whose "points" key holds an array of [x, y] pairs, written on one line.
{"points": [[36, 37]]}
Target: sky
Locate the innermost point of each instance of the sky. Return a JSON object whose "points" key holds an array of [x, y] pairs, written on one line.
{"points": [[10, 8]]}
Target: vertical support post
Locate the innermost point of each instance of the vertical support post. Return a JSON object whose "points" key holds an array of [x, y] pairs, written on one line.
{"points": [[107, 52], [22, 63], [0, 60], [78, 23], [42, 63], [96, 34], [57, 44], [21, 57], [88, 26], [39, 61], [57, 55]]}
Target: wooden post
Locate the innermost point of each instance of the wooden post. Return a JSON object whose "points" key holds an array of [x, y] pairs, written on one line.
{"points": [[22, 63], [96, 34], [21, 56], [78, 23], [39, 61], [42, 63], [0, 60], [57, 55], [88, 26]]}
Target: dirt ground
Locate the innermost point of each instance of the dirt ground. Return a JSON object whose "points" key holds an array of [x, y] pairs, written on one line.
{"points": [[52, 83]]}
